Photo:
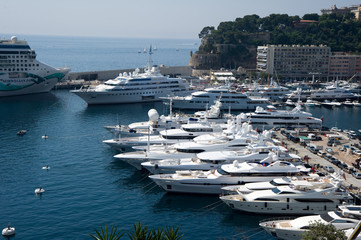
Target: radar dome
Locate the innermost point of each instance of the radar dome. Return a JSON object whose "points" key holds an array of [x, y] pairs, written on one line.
{"points": [[14, 38], [153, 115]]}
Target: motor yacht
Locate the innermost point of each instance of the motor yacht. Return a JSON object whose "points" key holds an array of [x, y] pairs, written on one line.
{"points": [[300, 198], [210, 182], [230, 99], [295, 228], [269, 118], [166, 137], [135, 87]]}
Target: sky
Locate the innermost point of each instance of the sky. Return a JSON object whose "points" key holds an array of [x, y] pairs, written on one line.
{"points": [[140, 18]]}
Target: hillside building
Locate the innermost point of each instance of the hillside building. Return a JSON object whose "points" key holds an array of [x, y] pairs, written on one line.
{"points": [[294, 62]]}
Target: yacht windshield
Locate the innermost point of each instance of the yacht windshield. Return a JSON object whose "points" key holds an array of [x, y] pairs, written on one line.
{"points": [[221, 171]]}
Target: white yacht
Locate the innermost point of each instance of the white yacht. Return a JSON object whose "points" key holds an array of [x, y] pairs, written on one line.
{"points": [[210, 182], [134, 87], [284, 181], [21, 73], [231, 99], [269, 118], [136, 159], [273, 92], [194, 163], [300, 198], [294, 228], [166, 137]]}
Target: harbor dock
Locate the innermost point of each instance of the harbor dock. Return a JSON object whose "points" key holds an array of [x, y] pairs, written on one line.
{"points": [[318, 162]]}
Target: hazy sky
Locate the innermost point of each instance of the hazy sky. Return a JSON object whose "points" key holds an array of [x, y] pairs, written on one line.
{"points": [[140, 18]]}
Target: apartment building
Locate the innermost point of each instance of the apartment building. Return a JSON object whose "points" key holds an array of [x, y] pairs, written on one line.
{"points": [[294, 62], [345, 66]]}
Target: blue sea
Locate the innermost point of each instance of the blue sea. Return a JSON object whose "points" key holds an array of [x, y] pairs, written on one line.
{"points": [[85, 186]]}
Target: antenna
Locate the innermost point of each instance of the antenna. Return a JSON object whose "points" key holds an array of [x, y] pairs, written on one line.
{"points": [[150, 62]]}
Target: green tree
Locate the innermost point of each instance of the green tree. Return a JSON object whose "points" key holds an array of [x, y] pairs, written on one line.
{"points": [[319, 230], [171, 233], [140, 232], [107, 234], [205, 32]]}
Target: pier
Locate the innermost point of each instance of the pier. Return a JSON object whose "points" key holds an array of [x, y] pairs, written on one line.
{"points": [[314, 159]]}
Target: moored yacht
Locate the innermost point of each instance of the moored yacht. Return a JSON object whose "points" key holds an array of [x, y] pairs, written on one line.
{"points": [[21, 73], [134, 87], [231, 99], [295, 228], [300, 198], [210, 182], [269, 118]]}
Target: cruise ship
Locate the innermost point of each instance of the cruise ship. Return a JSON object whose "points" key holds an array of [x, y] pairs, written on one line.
{"points": [[134, 87], [21, 73], [230, 99]]}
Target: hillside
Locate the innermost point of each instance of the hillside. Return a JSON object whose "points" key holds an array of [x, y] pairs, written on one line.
{"points": [[233, 44]]}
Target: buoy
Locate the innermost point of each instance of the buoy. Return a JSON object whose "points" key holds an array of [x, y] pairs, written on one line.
{"points": [[45, 137], [8, 231], [46, 167], [39, 190]]}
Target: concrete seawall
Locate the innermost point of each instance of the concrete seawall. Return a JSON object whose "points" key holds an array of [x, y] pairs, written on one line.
{"points": [[77, 79], [173, 71]]}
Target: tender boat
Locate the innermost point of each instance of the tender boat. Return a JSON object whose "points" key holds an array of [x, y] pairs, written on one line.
{"points": [[21, 132], [39, 190], [8, 231]]}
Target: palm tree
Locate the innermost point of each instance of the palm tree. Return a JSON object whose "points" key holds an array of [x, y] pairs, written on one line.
{"points": [[171, 233], [114, 234], [140, 232]]}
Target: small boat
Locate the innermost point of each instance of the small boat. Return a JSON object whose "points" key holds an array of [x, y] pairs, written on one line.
{"points": [[348, 103], [46, 167], [335, 103], [21, 132], [356, 103], [310, 103], [327, 103], [45, 136], [8, 231], [289, 102], [39, 190]]}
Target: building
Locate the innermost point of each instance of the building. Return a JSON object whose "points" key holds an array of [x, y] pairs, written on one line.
{"points": [[345, 66], [294, 62], [344, 10]]}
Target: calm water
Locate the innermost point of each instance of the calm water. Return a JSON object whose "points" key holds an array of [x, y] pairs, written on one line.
{"points": [[86, 187], [90, 54]]}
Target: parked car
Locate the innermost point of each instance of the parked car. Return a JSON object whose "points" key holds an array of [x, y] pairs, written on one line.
{"points": [[329, 169], [329, 150], [356, 175]]}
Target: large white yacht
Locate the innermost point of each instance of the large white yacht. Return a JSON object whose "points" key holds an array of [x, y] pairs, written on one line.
{"points": [[210, 182], [167, 137], [267, 118], [230, 99], [300, 198], [273, 92], [295, 228], [21, 73], [134, 87]]}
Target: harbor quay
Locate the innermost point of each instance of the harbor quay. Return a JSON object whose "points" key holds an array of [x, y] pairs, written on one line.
{"points": [[320, 158]]}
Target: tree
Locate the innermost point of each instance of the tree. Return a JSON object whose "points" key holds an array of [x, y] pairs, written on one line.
{"points": [[205, 31], [319, 230], [104, 234]]}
